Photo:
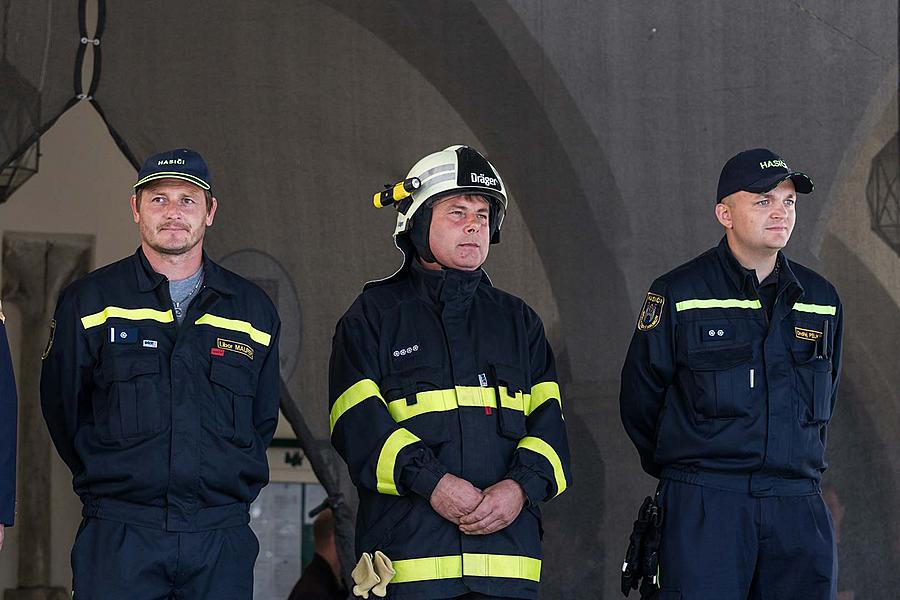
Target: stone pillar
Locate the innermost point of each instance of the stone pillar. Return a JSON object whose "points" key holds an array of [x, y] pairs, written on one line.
{"points": [[36, 267]]}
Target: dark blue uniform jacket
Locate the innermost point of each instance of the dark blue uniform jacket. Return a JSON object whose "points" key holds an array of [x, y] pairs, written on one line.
{"points": [[8, 405], [712, 383], [436, 372], [160, 424]]}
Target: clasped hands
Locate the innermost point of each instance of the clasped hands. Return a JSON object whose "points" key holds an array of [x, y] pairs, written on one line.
{"points": [[477, 512]]}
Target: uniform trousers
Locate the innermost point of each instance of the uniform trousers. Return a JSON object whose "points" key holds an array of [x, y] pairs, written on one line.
{"points": [[730, 545], [113, 560]]}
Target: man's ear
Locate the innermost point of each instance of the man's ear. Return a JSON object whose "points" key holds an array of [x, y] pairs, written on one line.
{"points": [[135, 214], [723, 214], [212, 212]]}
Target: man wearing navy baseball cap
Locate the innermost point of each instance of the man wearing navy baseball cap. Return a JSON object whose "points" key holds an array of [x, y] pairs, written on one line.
{"points": [[727, 391], [160, 388]]}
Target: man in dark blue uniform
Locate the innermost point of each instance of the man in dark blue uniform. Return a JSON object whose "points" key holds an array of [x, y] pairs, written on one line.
{"points": [[445, 404], [160, 389], [727, 390], [8, 406]]}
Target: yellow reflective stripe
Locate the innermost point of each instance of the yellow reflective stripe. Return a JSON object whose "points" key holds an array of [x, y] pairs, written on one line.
{"points": [[501, 565], [546, 450], [541, 392], [427, 569], [818, 309], [716, 303], [132, 314], [440, 401], [356, 393], [260, 337], [387, 458], [463, 395], [469, 565]]}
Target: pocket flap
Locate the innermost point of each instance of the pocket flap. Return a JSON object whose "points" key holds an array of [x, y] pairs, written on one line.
{"points": [[719, 359], [510, 377], [239, 380], [406, 383], [126, 366]]}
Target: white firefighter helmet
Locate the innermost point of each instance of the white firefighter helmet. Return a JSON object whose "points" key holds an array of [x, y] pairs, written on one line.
{"points": [[454, 170]]}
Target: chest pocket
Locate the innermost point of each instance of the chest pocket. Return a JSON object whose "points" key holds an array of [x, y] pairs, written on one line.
{"points": [[812, 368], [132, 406], [234, 388], [510, 385], [721, 378]]}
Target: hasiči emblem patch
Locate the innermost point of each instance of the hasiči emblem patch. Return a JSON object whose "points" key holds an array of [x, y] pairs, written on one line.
{"points": [[651, 312], [50, 339], [232, 346], [807, 334]]}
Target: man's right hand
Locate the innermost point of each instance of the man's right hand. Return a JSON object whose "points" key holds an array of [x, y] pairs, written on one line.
{"points": [[1, 536], [453, 498]]}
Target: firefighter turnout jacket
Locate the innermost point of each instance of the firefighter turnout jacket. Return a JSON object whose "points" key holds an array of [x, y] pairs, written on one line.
{"points": [[436, 372], [163, 425], [713, 385]]}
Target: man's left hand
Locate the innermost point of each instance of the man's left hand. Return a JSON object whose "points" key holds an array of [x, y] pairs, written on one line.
{"points": [[500, 506]]}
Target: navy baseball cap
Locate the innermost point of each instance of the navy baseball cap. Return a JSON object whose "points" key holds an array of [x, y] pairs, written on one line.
{"points": [[180, 163], [758, 171]]}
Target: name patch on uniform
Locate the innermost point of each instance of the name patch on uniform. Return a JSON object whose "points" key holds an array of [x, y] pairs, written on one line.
{"points": [[235, 347], [807, 334], [651, 312], [149, 344]]}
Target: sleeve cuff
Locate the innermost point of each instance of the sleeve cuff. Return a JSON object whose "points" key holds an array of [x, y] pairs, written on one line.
{"points": [[423, 475], [532, 484]]}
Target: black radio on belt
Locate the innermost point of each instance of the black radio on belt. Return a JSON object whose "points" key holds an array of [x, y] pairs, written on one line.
{"points": [[641, 566]]}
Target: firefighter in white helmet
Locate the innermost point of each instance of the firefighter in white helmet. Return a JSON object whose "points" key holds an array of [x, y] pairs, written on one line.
{"points": [[444, 401]]}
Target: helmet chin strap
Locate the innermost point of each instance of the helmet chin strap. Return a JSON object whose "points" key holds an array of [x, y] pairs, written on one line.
{"points": [[418, 234]]}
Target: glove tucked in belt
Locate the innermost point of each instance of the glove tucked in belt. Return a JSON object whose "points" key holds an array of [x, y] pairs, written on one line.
{"points": [[372, 574]]}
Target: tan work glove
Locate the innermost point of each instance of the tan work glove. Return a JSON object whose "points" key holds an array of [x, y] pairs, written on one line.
{"points": [[364, 576], [385, 572]]}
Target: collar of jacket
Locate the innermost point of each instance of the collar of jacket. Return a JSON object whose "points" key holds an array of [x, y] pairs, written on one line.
{"points": [[449, 286], [148, 279], [744, 279]]}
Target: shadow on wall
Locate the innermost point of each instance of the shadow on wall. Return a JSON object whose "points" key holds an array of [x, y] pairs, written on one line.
{"points": [[860, 486]]}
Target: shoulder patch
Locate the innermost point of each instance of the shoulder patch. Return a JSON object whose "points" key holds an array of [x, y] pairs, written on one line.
{"points": [[651, 312], [50, 339]]}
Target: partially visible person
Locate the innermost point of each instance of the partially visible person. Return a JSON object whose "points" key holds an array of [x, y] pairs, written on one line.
{"points": [[8, 405], [321, 579]]}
